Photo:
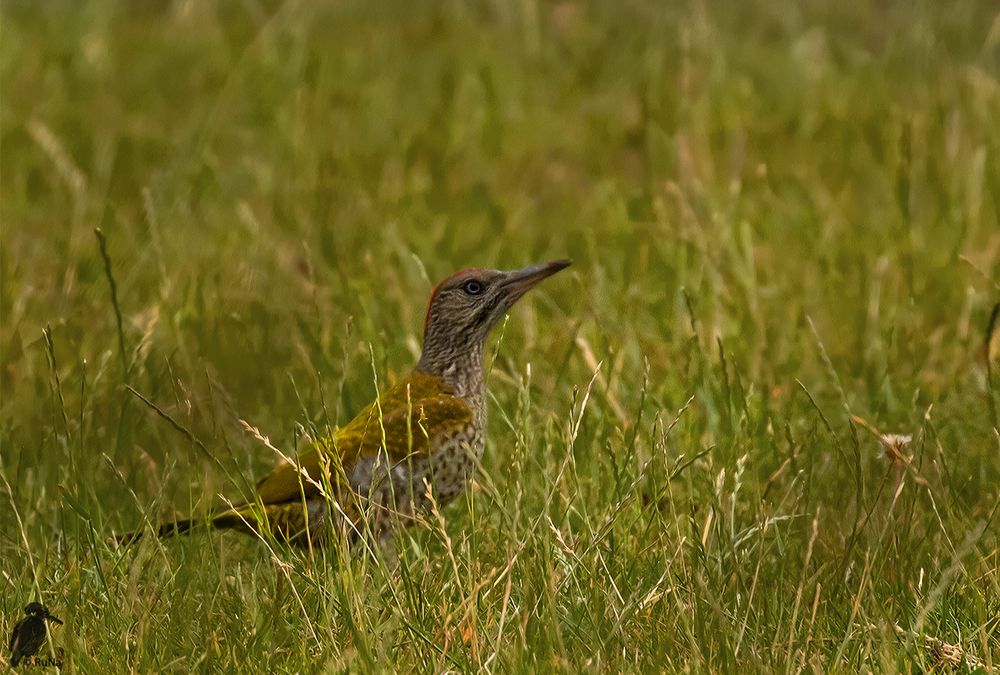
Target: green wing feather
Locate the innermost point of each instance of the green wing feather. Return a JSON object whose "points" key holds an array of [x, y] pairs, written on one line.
{"points": [[403, 420]]}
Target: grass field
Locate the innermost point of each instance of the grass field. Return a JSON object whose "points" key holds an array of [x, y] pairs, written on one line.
{"points": [[784, 222]]}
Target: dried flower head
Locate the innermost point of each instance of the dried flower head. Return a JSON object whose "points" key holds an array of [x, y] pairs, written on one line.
{"points": [[895, 447]]}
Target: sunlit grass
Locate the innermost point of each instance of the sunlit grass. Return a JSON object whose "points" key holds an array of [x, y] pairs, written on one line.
{"points": [[783, 218]]}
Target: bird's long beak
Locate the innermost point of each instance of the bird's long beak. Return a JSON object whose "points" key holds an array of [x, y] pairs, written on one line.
{"points": [[518, 282], [52, 618]]}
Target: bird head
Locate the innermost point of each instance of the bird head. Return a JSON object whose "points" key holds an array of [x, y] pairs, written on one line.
{"points": [[465, 307], [38, 609]]}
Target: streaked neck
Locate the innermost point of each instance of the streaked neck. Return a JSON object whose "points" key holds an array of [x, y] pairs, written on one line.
{"points": [[461, 368]]}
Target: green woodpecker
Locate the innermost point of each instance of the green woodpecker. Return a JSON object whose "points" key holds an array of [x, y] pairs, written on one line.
{"points": [[423, 436]]}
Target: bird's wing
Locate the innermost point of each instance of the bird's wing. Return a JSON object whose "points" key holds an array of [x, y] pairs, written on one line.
{"points": [[403, 421], [14, 634]]}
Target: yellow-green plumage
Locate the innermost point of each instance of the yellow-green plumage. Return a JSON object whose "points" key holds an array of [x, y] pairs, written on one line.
{"points": [[402, 428], [402, 420]]}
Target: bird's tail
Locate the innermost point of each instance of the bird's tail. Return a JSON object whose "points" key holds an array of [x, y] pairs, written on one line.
{"points": [[226, 518], [162, 531], [287, 521]]}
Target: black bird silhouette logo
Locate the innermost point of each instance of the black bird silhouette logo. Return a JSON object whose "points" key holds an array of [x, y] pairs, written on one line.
{"points": [[29, 633]]}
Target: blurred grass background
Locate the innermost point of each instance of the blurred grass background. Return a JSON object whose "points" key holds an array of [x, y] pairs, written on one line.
{"points": [[782, 214]]}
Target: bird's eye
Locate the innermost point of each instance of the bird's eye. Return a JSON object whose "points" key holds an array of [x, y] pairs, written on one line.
{"points": [[473, 287]]}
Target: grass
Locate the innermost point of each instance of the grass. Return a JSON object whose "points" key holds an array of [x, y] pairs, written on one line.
{"points": [[783, 217]]}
